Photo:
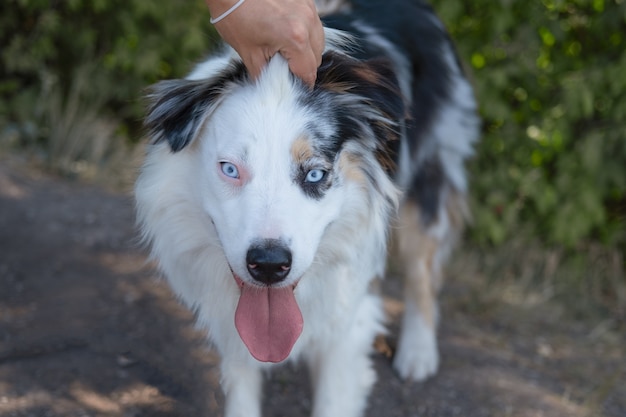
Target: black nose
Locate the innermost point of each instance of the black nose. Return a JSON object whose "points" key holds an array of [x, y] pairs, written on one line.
{"points": [[269, 262]]}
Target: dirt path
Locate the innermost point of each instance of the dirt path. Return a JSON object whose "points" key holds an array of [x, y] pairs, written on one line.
{"points": [[86, 329]]}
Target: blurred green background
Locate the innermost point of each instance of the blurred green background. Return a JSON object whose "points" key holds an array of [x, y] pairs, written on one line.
{"points": [[549, 178]]}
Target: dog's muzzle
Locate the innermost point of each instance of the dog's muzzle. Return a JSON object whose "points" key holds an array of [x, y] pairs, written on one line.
{"points": [[267, 317]]}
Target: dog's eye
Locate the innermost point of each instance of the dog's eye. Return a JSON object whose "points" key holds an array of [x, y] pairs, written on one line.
{"points": [[230, 170], [315, 175]]}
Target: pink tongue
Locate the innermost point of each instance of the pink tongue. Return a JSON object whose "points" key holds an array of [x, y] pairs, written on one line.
{"points": [[268, 321]]}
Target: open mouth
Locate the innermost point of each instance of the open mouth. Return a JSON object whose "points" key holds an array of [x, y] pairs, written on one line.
{"points": [[268, 320]]}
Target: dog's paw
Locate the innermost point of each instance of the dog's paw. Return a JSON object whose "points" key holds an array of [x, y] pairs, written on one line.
{"points": [[417, 357]]}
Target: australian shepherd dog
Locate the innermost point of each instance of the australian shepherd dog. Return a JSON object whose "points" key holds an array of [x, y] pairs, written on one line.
{"points": [[268, 204]]}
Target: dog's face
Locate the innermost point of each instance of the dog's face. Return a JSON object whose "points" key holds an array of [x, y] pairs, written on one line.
{"points": [[270, 189], [278, 163]]}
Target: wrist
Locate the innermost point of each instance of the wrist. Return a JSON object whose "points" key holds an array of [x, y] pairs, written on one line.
{"points": [[220, 9]]}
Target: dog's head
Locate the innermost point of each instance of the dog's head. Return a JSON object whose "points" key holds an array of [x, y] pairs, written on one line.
{"points": [[277, 165], [276, 158]]}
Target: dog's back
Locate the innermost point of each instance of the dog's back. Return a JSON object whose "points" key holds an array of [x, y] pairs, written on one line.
{"points": [[438, 133]]}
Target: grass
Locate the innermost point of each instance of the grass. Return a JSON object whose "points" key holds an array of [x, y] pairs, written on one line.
{"points": [[588, 283], [71, 136]]}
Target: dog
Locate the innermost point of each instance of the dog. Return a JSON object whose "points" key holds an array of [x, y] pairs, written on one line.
{"points": [[268, 205]]}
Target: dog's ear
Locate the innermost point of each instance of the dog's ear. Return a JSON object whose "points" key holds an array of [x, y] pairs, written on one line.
{"points": [[373, 81], [178, 108], [372, 88]]}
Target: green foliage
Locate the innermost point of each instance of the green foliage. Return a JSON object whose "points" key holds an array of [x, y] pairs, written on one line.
{"points": [[550, 77], [122, 46]]}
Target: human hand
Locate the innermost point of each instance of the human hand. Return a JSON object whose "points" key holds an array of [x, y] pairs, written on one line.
{"points": [[258, 29]]}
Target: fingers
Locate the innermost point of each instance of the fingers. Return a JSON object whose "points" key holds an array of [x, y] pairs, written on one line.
{"points": [[304, 65], [303, 57], [258, 30], [304, 53], [256, 61]]}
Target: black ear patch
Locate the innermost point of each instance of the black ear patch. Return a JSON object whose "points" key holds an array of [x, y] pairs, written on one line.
{"points": [[177, 108], [374, 80], [375, 86]]}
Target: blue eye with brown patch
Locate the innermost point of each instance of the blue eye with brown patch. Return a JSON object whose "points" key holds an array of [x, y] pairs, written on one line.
{"points": [[229, 169], [315, 175]]}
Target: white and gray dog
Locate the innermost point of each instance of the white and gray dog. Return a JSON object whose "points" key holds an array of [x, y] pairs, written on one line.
{"points": [[268, 205]]}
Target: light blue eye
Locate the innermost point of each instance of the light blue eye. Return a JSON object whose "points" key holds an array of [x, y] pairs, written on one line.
{"points": [[315, 175], [230, 170]]}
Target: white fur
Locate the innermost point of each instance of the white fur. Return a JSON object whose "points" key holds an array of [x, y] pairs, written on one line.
{"points": [[456, 128], [417, 356]]}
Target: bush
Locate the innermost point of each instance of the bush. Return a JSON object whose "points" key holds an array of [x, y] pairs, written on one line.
{"points": [[550, 80], [549, 77], [71, 69]]}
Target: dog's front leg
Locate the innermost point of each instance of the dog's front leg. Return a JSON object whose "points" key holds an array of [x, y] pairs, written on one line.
{"points": [[341, 384], [242, 386], [341, 369]]}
